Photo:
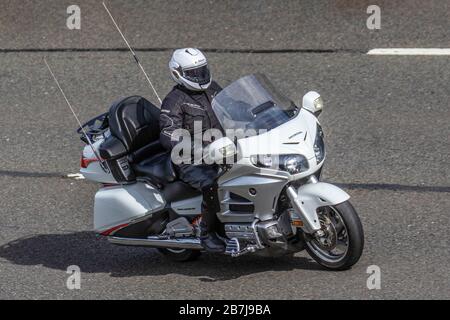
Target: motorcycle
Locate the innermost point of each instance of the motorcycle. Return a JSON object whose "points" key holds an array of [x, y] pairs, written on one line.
{"points": [[272, 201]]}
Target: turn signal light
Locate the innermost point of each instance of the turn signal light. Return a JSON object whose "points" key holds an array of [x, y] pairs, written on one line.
{"points": [[297, 223]]}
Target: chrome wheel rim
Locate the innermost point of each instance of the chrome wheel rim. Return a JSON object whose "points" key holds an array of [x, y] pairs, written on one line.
{"points": [[333, 246], [175, 250]]}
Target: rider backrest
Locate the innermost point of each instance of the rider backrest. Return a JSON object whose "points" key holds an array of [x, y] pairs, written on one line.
{"points": [[135, 122]]}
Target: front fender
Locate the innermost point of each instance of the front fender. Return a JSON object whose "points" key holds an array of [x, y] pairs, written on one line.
{"points": [[322, 194], [311, 196]]}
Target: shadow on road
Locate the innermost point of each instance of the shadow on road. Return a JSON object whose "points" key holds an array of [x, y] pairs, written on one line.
{"points": [[92, 255]]}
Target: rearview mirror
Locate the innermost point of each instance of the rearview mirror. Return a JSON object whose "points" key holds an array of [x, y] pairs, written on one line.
{"points": [[312, 101], [220, 151]]}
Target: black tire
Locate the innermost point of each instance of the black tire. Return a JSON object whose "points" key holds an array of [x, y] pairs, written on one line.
{"points": [[355, 235], [181, 255]]}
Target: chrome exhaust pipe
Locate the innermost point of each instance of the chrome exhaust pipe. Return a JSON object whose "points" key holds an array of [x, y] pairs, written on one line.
{"points": [[156, 242]]}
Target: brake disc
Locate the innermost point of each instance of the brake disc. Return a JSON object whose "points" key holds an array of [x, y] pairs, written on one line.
{"points": [[329, 240]]}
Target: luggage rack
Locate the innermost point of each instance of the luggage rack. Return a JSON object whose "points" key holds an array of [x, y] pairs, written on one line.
{"points": [[94, 128]]}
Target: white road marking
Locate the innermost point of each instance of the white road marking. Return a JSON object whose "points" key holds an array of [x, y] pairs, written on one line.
{"points": [[411, 51], [76, 176]]}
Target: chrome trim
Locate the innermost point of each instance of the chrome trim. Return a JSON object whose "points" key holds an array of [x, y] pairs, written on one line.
{"points": [[259, 245], [155, 242]]}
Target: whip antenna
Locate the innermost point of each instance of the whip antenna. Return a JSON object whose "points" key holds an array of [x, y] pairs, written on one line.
{"points": [[76, 117], [133, 53]]}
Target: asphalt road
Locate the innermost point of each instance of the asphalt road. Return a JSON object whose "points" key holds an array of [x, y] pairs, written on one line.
{"points": [[386, 121]]}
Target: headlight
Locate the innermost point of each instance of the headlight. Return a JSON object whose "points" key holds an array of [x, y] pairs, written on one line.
{"points": [[319, 145], [292, 163]]}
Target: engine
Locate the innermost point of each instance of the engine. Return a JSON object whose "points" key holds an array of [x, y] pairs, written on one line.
{"points": [[258, 235]]}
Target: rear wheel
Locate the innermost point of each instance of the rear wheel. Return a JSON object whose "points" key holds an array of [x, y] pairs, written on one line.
{"points": [[342, 242], [180, 255]]}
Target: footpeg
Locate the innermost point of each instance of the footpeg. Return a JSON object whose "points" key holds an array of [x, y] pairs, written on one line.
{"points": [[233, 246]]}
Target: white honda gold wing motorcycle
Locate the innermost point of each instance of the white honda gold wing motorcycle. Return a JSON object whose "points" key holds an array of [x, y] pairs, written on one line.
{"points": [[272, 202]]}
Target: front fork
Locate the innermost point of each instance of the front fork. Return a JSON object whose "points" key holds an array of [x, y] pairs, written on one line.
{"points": [[310, 219], [311, 196]]}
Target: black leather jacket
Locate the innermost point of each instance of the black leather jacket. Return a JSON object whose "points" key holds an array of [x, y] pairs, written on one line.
{"points": [[181, 107]]}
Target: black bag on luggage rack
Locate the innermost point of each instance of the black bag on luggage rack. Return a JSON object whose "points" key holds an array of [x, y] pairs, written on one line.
{"points": [[134, 127]]}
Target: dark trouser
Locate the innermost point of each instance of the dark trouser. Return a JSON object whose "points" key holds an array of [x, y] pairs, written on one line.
{"points": [[203, 177]]}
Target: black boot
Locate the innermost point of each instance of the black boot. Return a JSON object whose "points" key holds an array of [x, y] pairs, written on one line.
{"points": [[209, 240], [208, 227]]}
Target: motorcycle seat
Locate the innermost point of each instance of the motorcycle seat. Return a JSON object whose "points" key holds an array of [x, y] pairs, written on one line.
{"points": [[158, 168]]}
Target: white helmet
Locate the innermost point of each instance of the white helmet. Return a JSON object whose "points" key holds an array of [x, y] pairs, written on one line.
{"points": [[189, 68]]}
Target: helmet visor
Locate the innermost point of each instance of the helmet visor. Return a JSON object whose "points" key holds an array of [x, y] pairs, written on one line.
{"points": [[198, 75]]}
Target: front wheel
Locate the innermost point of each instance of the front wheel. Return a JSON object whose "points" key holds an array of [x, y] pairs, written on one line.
{"points": [[341, 244]]}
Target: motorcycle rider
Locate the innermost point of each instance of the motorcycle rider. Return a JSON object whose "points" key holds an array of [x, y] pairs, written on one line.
{"points": [[189, 102]]}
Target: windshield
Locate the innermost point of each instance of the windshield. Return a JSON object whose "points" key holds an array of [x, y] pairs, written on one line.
{"points": [[252, 102]]}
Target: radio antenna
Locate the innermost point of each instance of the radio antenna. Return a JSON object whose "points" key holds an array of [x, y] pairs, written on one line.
{"points": [[101, 161], [133, 53]]}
